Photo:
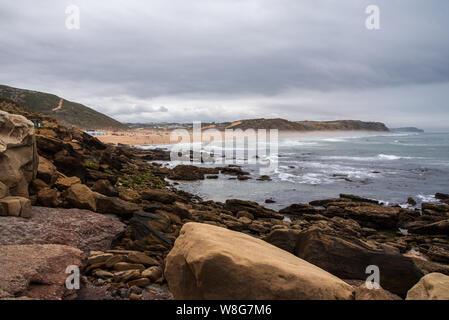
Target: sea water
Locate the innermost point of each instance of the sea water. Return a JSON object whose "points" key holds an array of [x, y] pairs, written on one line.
{"points": [[389, 167]]}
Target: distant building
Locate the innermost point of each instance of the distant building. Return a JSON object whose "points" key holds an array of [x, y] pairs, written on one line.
{"points": [[94, 133]]}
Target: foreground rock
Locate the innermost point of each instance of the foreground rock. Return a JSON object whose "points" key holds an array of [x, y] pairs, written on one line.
{"points": [[82, 229], [36, 271], [209, 262], [433, 286], [18, 153], [348, 258]]}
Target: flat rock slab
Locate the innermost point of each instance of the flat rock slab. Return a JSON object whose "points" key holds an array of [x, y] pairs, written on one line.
{"points": [[82, 229], [36, 271]]}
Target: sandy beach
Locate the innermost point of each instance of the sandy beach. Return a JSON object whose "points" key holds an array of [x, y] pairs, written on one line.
{"points": [[162, 137]]}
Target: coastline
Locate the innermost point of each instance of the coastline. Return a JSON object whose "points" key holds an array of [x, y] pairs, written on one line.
{"points": [[162, 137]]}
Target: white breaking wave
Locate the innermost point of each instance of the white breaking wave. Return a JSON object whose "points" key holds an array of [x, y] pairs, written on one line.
{"points": [[379, 157]]}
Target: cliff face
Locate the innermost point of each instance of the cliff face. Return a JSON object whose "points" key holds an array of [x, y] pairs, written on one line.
{"points": [[285, 125]]}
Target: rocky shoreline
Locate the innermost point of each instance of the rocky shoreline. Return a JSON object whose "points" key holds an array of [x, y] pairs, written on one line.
{"points": [[70, 199]]}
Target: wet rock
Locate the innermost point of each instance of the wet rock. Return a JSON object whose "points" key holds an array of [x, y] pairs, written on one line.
{"points": [[370, 216], [411, 201], [190, 173], [233, 171], [299, 209], [436, 228], [255, 209], [357, 198]]}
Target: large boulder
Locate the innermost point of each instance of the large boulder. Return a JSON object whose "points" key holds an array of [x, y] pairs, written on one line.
{"points": [[348, 258], [18, 153], [37, 271], [209, 262], [433, 286], [85, 230]]}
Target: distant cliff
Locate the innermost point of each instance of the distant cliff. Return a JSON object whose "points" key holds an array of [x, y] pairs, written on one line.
{"points": [[285, 125], [407, 129], [67, 112]]}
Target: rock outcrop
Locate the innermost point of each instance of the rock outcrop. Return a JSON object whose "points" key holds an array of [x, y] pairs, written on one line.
{"points": [[433, 286], [209, 262], [18, 153]]}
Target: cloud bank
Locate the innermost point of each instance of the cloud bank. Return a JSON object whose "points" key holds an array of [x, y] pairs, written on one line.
{"points": [[225, 60]]}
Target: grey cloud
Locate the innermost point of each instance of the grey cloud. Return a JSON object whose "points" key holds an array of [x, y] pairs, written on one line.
{"points": [[156, 53]]}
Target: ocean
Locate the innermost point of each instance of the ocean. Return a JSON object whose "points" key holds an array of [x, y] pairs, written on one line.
{"points": [[389, 167]]}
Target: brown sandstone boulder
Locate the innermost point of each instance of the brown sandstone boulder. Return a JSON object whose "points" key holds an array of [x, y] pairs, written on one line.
{"points": [[363, 293], [15, 206], [433, 286], [46, 171], [162, 196], [285, 239], [64, 183], [114, 205], [81, 197], [105, 187], [37, 271], [82, 229], [209, 262], [4, 190], [49, 198], [18, 153]]}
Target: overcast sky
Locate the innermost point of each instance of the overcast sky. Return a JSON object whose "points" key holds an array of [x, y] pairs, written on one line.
{"points": [[223, 60]]}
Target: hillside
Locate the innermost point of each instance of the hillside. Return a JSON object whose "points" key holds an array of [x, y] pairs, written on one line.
{"points": [[285, 125], [67, 112]]}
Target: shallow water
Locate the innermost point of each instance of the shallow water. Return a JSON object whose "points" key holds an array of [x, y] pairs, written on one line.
{"points": [[386, 166]]}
